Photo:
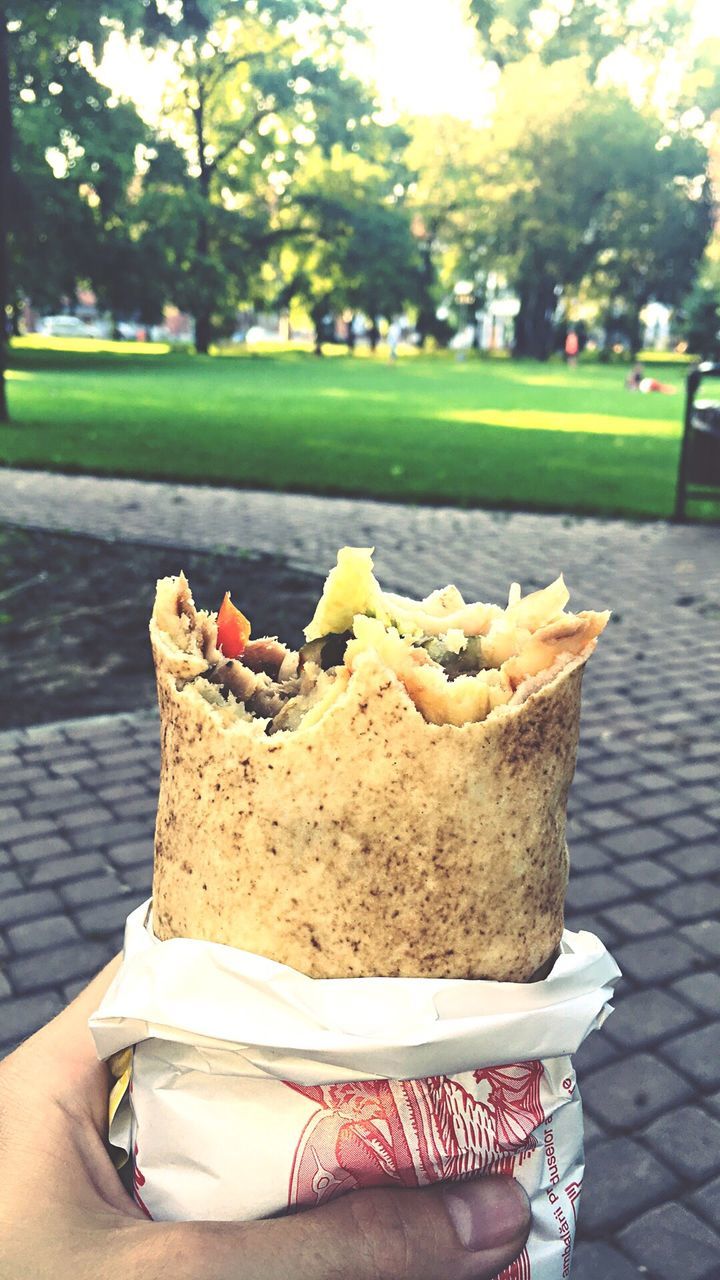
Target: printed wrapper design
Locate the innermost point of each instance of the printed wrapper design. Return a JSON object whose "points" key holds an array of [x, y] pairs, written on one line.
{"points": [[255, 1090]]}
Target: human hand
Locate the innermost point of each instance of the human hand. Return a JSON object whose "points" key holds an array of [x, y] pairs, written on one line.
{"points": [[65, 1213]]}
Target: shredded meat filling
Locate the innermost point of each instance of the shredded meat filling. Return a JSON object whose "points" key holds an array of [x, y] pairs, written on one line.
{"points": [[457, 662], [267, 655]]}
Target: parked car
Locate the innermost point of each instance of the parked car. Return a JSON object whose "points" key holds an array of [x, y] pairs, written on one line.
{"points": [[66, 327], [161, 333], [256, 333], [128, 330]]}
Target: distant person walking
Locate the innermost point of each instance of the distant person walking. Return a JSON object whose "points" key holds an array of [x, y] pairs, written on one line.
{"points": [[394, 335], [572, 346]]}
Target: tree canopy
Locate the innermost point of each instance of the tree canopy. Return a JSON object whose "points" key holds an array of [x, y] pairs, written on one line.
{"points": [[579, 183], [66, 160], [570, 187], [258, 85], [354, 249], [512, 29]]}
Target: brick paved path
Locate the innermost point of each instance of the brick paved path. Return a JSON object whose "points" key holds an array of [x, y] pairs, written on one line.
{"points": [[77, 803]]}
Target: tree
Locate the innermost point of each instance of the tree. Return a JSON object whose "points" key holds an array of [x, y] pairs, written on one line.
{"points": [[259, 82], [701, 309], [580, 183], [46, 213], [75, 197], [445, 157], [355, 250], [651, 232], [41, 65], [699, 88], [546, 169], [513, 29], [128, 258]]}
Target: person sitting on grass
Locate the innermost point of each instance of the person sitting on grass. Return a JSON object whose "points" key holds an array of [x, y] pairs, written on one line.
{"points": [[637, 381]]}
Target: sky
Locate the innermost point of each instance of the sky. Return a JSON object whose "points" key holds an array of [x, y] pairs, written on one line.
{"points": [[423, 56]]}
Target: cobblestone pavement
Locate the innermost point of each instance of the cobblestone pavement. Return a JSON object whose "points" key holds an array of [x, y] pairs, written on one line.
{"points": [[77, 803]]}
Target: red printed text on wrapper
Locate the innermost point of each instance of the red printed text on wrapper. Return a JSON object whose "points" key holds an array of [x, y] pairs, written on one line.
{"points": [[411, 1133]]}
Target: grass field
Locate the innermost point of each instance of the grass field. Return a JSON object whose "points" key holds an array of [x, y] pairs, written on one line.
{"points": [[429, 428]]}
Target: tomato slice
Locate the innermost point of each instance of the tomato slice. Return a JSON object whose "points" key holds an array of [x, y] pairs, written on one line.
{"points": [[233, 629]]}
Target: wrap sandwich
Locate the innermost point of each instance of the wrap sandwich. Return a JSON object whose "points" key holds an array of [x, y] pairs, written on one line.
{"points": [[388, 801]]}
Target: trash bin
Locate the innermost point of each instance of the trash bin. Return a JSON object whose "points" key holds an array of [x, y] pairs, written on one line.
{"points": [[699, 469]]}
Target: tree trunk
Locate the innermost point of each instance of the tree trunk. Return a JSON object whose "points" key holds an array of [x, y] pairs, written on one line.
{"points": [[634, 327], [534, 323], [5, 179], [318, 314], [203, 312], [426, 312], [203, 331], [608, 323]]}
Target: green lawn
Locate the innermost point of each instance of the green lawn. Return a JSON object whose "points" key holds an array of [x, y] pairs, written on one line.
{"points": [[429, 428]]}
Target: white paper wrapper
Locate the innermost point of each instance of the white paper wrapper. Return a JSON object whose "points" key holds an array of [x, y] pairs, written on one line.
{"points": [[256, 1089]]}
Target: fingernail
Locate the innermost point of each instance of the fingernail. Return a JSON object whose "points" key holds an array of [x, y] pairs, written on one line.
{"points": [[488, 1213]]}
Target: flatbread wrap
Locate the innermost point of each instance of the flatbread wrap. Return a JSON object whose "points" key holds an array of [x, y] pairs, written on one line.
{"points": [[390, 801]]}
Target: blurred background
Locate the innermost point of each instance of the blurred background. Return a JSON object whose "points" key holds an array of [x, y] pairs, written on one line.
{"points": [[201, 195], [433, 275]]}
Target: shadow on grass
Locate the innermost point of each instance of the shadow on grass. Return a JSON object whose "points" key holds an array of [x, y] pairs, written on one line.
{"points": [[61, 360], [47, 360]]}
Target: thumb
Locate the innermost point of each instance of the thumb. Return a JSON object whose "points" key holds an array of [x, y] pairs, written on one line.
{"points": [[458, 1231]]}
